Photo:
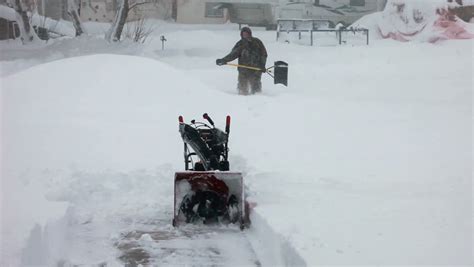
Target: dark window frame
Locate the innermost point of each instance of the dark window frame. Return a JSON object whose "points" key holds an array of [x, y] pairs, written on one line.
{"points": [[357, 2], [211, 12]]}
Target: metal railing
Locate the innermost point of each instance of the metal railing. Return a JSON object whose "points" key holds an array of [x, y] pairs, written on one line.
{"points": [[309, 25]]}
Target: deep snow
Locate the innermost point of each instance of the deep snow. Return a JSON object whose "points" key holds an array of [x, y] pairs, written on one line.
{"points": [[418, 20], [365, 159]]}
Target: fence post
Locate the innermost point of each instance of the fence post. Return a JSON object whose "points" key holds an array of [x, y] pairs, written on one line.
{"points": [[278, 30], [163, 40]]}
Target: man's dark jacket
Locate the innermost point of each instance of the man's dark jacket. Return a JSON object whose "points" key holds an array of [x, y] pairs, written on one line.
{"points": [[250, 52]]}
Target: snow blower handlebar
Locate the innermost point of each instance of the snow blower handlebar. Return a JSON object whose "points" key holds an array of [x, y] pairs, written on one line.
{"points": [[208, 143], [227, 125], [206, 116]]}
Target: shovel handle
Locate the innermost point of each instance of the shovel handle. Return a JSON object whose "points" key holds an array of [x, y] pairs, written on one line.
{"points": [[246, 67]]}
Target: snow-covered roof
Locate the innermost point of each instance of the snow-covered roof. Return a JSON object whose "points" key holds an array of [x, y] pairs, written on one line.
{"points": [[7, 13]]}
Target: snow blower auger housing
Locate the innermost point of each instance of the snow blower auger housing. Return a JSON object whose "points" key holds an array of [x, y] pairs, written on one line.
{"points": [[207, 192]]}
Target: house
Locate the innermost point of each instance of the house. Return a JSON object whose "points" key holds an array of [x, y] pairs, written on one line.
{"points": [[54, 9], [104, 10], [98, 10], [201, 12], [8, 29], [267, 12], [336, 12]]}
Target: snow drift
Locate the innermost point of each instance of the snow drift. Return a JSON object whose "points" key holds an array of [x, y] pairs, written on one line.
{"points": [[418, 20], [44, 126]]}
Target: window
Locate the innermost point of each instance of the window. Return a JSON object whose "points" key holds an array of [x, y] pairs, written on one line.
{"points": [[357, 3], [213, 10], [109, 6]]}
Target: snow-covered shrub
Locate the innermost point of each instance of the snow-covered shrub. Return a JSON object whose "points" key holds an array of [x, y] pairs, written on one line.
{"points": [[138, 30]]}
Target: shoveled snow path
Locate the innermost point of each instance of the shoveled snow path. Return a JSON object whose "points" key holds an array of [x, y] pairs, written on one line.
{"points": [[193, 245], [113, 221]]}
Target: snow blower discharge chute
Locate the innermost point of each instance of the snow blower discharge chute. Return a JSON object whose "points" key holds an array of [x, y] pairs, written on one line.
{"points": [[207, 192]]}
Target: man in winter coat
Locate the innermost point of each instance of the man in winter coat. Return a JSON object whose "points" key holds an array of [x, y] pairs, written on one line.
{"points": [[251, 52]]}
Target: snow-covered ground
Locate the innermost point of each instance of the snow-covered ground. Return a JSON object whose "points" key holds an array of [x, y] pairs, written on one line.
{"points": [[364, 159], [418, 20]]}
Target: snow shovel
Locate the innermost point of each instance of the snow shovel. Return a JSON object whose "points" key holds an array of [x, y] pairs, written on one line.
{"points": [[279, 71]]}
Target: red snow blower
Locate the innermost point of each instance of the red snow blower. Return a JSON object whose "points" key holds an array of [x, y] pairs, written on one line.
{"points": [[207, 192]]}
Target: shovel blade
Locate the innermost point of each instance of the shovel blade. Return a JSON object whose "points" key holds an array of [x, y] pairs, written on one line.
{"points": [[281, 73]]}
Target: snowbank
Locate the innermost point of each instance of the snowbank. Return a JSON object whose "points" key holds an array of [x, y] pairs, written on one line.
{"points": [[421, 20], [137, 94], [24, 212], [151, 90]]}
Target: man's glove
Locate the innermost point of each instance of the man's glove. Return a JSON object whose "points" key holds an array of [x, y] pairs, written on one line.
{"points": [[220, 62]]}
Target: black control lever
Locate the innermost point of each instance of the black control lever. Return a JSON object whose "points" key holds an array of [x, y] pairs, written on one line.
{"points": [[205, 116]]}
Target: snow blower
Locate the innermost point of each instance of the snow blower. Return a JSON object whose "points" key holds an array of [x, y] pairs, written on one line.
{"points": [[279, 71], [207, 192]]}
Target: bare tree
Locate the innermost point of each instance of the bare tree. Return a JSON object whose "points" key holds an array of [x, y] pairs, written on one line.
{"points": [[115, 32], [125, 6], [139, 30], [138, 3], [73, 12], [27, 34]]}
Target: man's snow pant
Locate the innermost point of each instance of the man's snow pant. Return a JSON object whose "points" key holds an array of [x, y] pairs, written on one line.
{"points": [[250, 81]]}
